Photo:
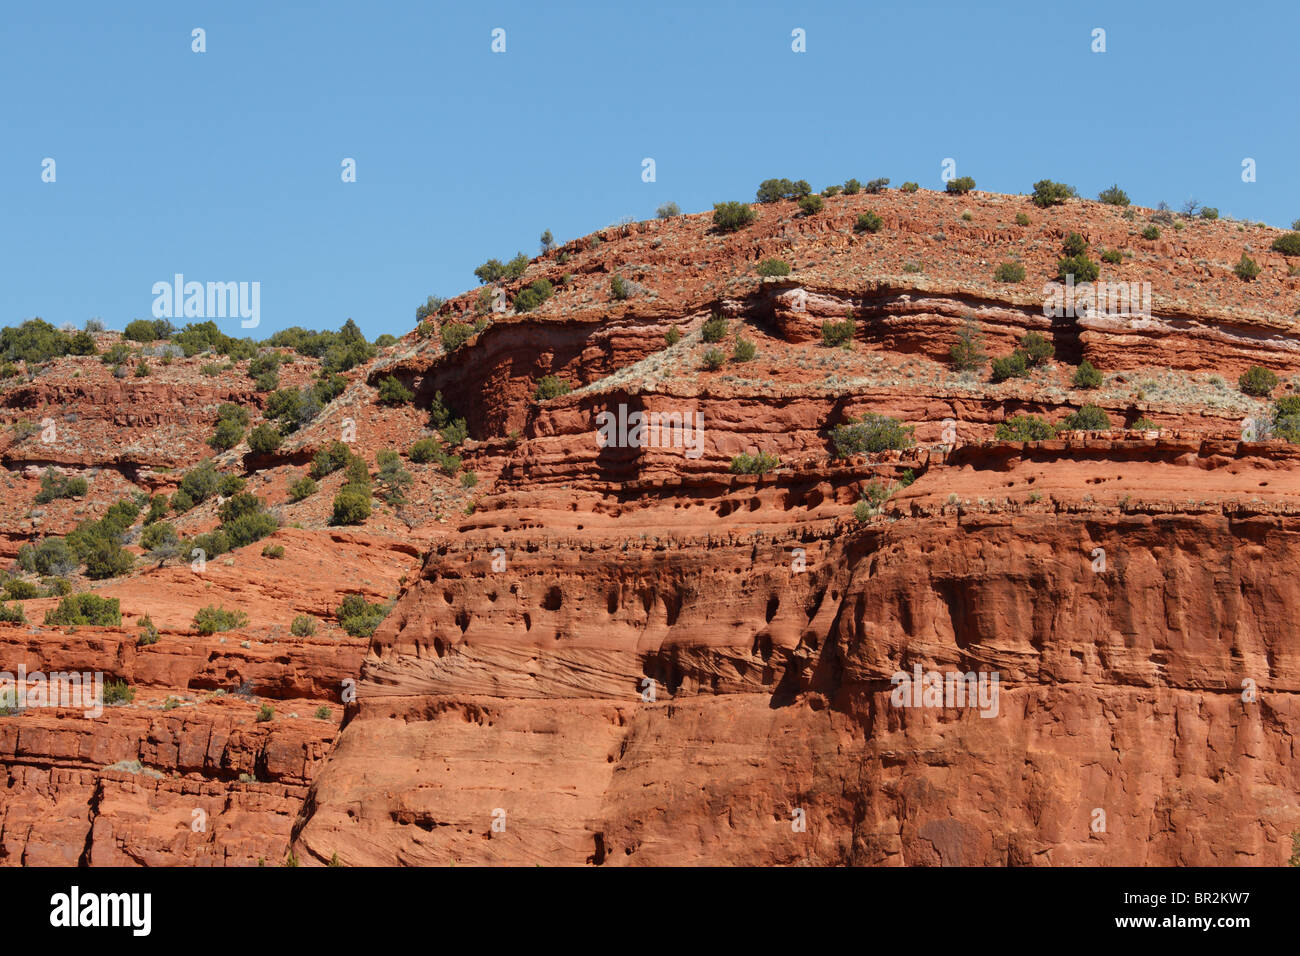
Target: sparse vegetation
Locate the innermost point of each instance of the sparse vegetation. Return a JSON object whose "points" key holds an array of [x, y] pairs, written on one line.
{"points": [[1257, 381], [1089, 418], [774, 267], [1114, 196], [811, 205], [1246, 268], [86, 609], [835, 334], [960, 186], [1047, 193], [551, 386], [868, 222], [731, 216], [1010, 272], [211, 619], [715, 329], [393, 392], [359, 617], [1024, 428], [870, 434], [754, 464], [1086, 376]]}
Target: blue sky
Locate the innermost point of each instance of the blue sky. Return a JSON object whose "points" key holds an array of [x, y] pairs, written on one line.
{"points": [[225, 165]]}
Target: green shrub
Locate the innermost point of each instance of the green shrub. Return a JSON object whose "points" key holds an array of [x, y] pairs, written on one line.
{"points": [[264, 439], [227, 436], [211, 619], [1144, 424], [1047, 193], [55, 485], [619, 289], [551, 386], [774, 267], [714, 359], [1022, 219], [744, 351], [1037, 348], [852, 187], [1015, 365], [148, 632], [1081, 267], [86, 609], [774, 190], [715, 329], [248, 528], [1114, 196], [538, 291], [1209, 212], [868, 222], [1112, 256], [147, 330], [468, 480], [304, 487], [1257, 381], [229, 486], [1288, 245], [811, 205], [82, 343], [117, 692], [157, 535], [330, 459], [871, 433], [455, 334], [960, 186], [877, 185], [12, 615], [968, 351], [302, 626], [1246, 268], [106, 559], [351, 506], [393, 392], [754, 464], [265, 714], [359, 617], [1024, 428], [668, 210], [1010, 272], [1151, 232], [450, 426], [273, 551], [393, 479], [837, 333], [672, 336], [1089, 418], [200, 483], [16, 589], [909, 187], [1074, 245], [1086, 376], [49, 556], [425, 450], [730, 216]]}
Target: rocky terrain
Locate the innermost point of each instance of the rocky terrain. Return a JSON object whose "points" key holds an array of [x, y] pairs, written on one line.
{"points": [[583, 652]]}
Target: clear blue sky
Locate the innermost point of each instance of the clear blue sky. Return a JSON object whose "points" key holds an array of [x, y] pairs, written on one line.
{"points": [[225, 165]]}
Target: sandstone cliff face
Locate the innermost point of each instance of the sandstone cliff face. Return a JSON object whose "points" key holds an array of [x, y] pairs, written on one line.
{"points": [[630, 656]]}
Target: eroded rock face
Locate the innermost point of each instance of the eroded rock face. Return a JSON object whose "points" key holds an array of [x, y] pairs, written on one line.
{"points": [[1120, 692]]}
